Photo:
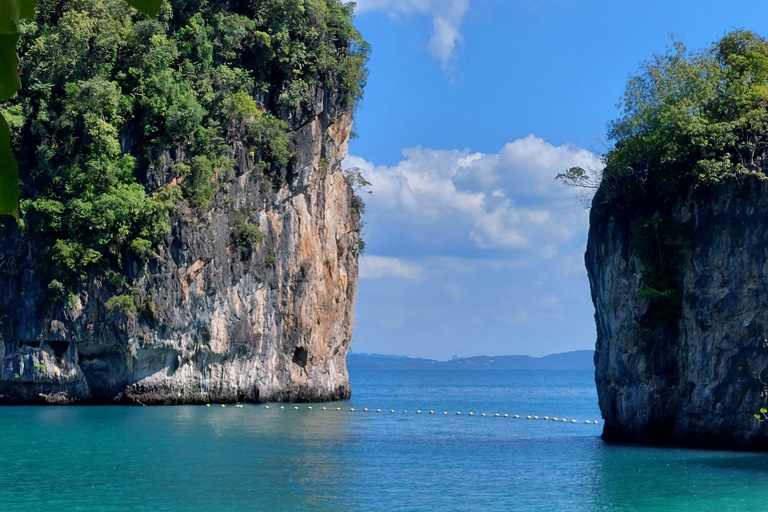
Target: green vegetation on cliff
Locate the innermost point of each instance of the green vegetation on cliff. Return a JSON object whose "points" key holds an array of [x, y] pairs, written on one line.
{"points": [[110, 94], [696, 115]]}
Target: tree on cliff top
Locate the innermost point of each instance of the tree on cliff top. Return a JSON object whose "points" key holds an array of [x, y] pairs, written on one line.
{"points": [[111, 94], [696, 115]]}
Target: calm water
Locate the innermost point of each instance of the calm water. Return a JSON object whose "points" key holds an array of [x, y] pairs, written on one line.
{"points": [[210, 459]]}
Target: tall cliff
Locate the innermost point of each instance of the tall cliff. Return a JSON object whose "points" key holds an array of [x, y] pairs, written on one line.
{"points": [[697, 377], [246, 290]]}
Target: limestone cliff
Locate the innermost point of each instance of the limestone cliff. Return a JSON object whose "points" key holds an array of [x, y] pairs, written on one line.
{"points": [[219, 326], [697, 374], [201, 316]]}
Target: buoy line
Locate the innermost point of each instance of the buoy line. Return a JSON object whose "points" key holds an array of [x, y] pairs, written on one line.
{"points": [[445, 413]]}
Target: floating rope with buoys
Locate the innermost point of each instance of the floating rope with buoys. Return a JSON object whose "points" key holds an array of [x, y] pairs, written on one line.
{"points": [[445, 413]]}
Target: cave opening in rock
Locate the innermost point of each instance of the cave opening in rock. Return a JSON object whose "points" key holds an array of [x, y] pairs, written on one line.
{"points": [[300, 356]]}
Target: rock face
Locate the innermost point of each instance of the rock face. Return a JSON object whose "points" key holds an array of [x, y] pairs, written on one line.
{"points": [[211, 322], [699, 379]]}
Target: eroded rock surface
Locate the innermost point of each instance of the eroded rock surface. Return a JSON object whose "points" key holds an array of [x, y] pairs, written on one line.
{"points": [[212, 322], [698, 380]]}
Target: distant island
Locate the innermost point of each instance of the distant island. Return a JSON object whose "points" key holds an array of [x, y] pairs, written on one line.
{"points": [[576, 360]]}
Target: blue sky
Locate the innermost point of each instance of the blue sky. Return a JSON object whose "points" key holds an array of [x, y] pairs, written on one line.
{"points": [[472, 107]]}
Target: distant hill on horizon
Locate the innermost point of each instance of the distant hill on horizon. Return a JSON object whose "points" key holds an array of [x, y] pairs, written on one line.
{"points": [[575, 360]]}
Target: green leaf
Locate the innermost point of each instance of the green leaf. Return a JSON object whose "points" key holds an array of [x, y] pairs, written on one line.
{"points": [[9, 174], [9, 66], [148, 7], [27, 9], [9, 36], [763, 410], [757, 416]]}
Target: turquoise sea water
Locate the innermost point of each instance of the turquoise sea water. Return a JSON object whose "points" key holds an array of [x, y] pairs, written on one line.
{"points": [[208, 459]]}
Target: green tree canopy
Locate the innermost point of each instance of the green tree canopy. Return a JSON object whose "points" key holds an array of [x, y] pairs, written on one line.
{"points": [[696, 115]]}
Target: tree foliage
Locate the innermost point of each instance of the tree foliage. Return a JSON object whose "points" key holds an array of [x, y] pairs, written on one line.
{"points": [[697, 116], [109, 91]]}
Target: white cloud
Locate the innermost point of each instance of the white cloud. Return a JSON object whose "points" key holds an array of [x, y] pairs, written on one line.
{"points": [[509, 200], [378, 267], [447, 18]]}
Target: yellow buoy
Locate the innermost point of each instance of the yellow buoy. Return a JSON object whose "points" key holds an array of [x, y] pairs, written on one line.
{"points": [[207, 405], [323, 408], [338, 408], [223, 405]]}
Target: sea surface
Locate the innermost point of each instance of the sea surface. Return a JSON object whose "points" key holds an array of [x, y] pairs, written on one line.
{"points": [[197, 458]]}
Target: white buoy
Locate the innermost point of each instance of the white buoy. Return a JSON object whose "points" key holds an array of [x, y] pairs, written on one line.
{"points": [[266, 407], [587, 422], [529, 417], [564, 419], [497, 415], [483, 414], [366, 409], [471, 414], [391, 410], [310, 407], [378, 410], [323, 408], [207, 405], [546, 418], [458, 414], [223, 405], [445, 412], [338, 408], [282, 407], [352, 409], [506, 415], [535, 417], [418, 412], [573, 421], [554, 419], [296, 407]]}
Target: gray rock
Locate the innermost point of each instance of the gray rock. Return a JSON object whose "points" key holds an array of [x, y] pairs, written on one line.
{"points": [[700, 380], [213, 324]]}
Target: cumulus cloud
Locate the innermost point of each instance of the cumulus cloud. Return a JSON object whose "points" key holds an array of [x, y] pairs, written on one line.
{"points": [[378, 267], [447, 18], [505, 201]]}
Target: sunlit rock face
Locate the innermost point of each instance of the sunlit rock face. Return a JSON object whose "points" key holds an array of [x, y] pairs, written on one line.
{"points": [[212, 322], [699, 378]]}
